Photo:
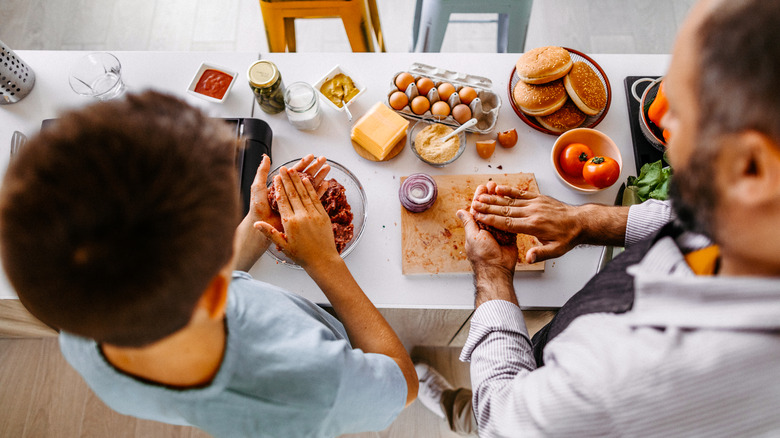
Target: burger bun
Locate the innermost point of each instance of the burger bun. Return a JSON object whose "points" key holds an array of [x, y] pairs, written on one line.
{"points": [[585, 89], [543, 64], [539, 100], [568, 117]]}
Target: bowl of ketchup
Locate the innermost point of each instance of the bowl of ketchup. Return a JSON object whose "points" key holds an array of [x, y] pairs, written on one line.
{"points": [[212, 83]]}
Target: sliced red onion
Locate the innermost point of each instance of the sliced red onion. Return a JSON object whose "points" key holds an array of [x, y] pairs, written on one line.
{"points": [[418, 192]]}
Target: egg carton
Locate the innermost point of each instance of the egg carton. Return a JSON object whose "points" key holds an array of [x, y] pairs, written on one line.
{"points": [[484, 108]]}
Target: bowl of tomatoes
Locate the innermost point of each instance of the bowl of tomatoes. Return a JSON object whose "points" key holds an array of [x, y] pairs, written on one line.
{"points": [[586, 160]]}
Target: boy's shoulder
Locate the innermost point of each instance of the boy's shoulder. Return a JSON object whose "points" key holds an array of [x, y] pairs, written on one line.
{"points": [[254, 305]]}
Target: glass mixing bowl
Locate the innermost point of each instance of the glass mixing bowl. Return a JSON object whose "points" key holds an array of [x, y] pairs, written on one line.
{"points": [[356, 197]]}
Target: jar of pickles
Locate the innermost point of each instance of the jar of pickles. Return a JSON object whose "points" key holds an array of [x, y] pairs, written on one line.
{"points": [[266, 83]]}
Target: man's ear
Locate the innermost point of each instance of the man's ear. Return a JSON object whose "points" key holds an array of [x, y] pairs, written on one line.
{"points": [[214, 298], [749, 169]]}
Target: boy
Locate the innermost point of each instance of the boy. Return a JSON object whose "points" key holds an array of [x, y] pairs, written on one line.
{"points": [[118, 228]]}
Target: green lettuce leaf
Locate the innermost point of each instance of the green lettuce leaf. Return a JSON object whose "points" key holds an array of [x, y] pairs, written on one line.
{"points": [[652, 182]]}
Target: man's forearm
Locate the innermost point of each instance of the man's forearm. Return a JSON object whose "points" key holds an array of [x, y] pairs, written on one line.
{"points": [[493, 283], [602, 224]]}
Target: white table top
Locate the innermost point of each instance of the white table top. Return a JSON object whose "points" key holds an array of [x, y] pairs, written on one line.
{"points": [[376, 261]]}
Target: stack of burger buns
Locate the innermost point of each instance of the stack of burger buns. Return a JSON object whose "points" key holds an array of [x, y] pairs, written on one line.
{"points": [[559, 93]]}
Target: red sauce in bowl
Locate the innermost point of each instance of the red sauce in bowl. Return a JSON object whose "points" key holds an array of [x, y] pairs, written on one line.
{"points": [[213, 83]]}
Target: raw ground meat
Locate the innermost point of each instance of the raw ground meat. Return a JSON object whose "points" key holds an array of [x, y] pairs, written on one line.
{"points": [[342, 234], [504, 238], [335, 202]]}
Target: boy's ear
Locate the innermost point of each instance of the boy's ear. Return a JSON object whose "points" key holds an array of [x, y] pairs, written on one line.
{"points": [[214, 298]]}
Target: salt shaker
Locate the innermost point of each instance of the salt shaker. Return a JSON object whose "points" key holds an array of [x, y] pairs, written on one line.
{"points": [[302, 106]]}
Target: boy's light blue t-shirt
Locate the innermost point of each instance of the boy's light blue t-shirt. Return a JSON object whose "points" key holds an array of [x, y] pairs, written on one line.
{"points": [[288, 371]]}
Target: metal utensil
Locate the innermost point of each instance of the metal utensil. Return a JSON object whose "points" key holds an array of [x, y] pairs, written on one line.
{"points": [[17, 141]]}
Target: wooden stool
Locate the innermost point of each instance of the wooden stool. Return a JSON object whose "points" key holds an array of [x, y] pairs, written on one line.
{"points": [[432, 16], [279, 19]]}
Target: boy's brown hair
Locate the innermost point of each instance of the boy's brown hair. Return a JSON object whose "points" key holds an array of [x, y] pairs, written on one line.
{"points": [[114, 220]]}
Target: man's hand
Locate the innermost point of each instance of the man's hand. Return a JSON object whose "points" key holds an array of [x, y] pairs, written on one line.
{"points": [[493, 264], [558, 226], [481, 247], [551, 221], [307, 236]]}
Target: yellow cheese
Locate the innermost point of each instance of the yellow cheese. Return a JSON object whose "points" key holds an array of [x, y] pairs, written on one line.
{"points": [[379, 130]]}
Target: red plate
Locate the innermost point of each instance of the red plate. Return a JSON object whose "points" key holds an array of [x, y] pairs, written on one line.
{"points": [[590, 121]]}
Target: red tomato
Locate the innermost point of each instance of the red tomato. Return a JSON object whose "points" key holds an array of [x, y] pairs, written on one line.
{"points": [[573, 158], [601, 172]]}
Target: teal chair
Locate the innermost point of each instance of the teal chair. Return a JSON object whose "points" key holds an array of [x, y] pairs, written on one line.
{"points": [[432, 16]]}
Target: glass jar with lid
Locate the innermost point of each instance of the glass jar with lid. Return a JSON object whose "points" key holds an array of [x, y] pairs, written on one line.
{"points": [[302, 106], [266, 83]]}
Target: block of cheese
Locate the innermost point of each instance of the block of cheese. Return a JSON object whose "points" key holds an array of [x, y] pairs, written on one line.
{"points": [[379, 130]]}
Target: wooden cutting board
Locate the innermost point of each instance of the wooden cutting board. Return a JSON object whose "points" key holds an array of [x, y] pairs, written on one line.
{"points": [[432, 242]]}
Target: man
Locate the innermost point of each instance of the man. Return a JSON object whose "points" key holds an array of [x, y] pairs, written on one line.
{"points": [[688, 343]]}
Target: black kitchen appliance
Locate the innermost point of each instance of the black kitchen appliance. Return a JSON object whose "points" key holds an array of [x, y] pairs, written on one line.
{"points": [[257, 137]]}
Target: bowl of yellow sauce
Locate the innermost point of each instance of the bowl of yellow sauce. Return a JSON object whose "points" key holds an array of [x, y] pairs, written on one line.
{"points": [[338, 88]]}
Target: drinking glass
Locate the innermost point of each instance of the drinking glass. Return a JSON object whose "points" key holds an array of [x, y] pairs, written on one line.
{"points": [[97, 75]]}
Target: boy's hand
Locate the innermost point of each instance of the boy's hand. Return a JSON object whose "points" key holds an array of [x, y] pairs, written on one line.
{"points": [[250, 244], [260, 210], [307, 236]]}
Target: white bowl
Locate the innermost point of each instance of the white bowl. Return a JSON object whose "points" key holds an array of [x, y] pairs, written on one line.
{"points": [[332, 73], [597, 141], [206, 66]]}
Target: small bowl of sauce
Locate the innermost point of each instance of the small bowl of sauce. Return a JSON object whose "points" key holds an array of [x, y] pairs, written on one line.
{"points": [[338, 88], [212, 83]]}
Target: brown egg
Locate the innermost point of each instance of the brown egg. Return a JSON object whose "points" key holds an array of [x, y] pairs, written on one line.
{"points": [[403, 80], [398, 100], [467, 94], [440, 109], [461, 113], [424, 85], [445, 90], [420, 105]]}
